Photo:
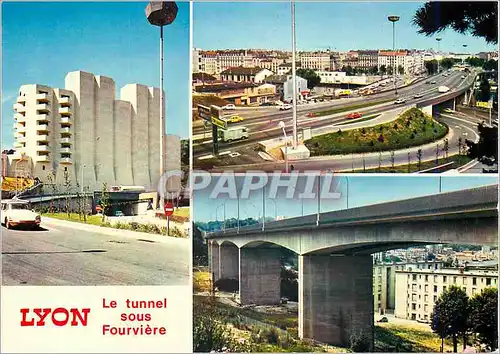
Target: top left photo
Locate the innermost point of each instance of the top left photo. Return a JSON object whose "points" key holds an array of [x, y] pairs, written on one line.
{"points": [[95, 143]]}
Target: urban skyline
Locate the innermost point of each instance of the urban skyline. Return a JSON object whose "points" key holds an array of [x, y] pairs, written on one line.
{"points": [[317, 26], [90, 40]]}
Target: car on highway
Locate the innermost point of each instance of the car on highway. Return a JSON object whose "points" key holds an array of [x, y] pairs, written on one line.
{"points": [[428, 82], [285, 107], [418, 95], [263, 104], [354, 115], [400, 101], [449, 110], [229, 107], [235, 119], [464, 77], [433, 82], [16, 212]]}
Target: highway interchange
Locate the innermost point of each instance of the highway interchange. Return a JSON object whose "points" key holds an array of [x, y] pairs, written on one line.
{"points": [[263, 124]]}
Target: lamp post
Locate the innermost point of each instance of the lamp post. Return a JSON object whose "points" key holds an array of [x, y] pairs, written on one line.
{"points": [[465, 46], [294, 78], [438, 39], [161, 14], [282, 126], [394, 19], [81, 179]]}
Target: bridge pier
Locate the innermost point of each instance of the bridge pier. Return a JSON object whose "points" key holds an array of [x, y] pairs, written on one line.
{"points": [[336, 299], [229, 261], [260, 276], [213, 258]]}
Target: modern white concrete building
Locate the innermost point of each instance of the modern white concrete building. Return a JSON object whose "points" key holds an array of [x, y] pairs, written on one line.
{"points": [[85, 135], [418, 289]]}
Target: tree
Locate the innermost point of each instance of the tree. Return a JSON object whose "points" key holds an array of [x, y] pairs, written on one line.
{"points": [[460, 146], [490, 65], [401, 70], [200, 249], [478, 18], [373, 70], [310, 75], [67, 189], [431, 66], [105, 202], [449, 317], [447, 63], [379, 161], [392, 160], [473, 61], [484, 90], [486, 149], [409, 162], [210, 332], [483, 317], [383, 69], [348, 70], [446, 147], [51, 181], [419, 158]]}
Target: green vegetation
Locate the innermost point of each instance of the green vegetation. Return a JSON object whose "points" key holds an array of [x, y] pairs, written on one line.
{"points": [[348, 108], [458, 160], [486, 149], [412, 128], [310, 75], [405, 339], [132, 226]]}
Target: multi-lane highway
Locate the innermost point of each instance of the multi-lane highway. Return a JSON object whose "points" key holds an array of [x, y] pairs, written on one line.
{"points": [[265, 125], [62, 255]]}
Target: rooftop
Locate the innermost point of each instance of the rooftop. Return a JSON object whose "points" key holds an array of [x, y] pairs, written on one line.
{"points": [[225, 86], [240, 70]]}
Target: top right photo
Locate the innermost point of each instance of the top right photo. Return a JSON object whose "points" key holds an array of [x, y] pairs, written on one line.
{"points": [[350, 87]]}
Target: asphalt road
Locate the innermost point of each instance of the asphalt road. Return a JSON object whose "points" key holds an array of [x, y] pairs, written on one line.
{"points": [[63, 256], [266, 127]]}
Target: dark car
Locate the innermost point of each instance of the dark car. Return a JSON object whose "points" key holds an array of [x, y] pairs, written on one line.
{"points": [[383, 319]]}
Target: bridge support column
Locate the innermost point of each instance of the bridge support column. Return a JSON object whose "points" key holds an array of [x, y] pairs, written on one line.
{"points": [[336, 299], [214, 257], [454, 104], [229, 261], [260, 276]]}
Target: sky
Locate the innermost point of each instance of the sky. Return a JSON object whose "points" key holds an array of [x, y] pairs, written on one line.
{"points": [[354, 191], [43, 41], [337, 26]]}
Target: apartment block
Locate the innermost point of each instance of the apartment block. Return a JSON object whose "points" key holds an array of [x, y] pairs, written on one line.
{"points": [[83, 134], [315, 60], [418, 289]]}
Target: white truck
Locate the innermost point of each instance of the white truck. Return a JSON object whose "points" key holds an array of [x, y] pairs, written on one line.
{"points": [[233, 133], [443, 89]]}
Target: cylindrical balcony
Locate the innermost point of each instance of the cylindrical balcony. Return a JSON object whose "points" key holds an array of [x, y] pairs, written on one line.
{"points": [[42, 98], [42, 118], [65, 160], [43, 108], [65, 121], [65, 101], [66, 141], [42, 137], [42, 128], [65, 111]]}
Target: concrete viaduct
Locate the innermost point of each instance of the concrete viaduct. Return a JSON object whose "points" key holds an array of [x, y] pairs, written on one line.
{"points": [[334, 249]]}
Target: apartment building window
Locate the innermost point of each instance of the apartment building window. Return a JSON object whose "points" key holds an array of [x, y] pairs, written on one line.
{"points": [[426, 278], [473, 291], [435, 278], [413, 306], [43, 167], [435, 298], [444, 278], [426, 308], [414, 297], [379, 297], [65, 169], [413, 316], [464, 280], [454, 280], [435, 288], [426, 298], [474, 280], [488, 281], [414, 277], [426, 288]]}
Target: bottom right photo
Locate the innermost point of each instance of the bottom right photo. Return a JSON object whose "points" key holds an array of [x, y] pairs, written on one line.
{"points": [[345, 263]]}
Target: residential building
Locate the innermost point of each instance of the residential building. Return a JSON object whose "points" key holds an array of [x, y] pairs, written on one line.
{"points": [[367, 59], [233, 58], [245, 74], [84, 135], [241, 93], [351, 59], [314, 60], [418, 289], [197, 61], [286, 68], [284, 87], [384, 282]]}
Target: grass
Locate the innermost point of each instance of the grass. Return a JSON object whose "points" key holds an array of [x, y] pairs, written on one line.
{"points": [[412, 128], [373, 116], [399, 338], [348, 108], [91, 219], [182, 212], [458, 160]]}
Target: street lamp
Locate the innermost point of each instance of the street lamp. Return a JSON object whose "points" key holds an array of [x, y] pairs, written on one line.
{"points": [[394, 19], [161, 14], [438, 39], [294, 78], [465, 46], [282, 126]]}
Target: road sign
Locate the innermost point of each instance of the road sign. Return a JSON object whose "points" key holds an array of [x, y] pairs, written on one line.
{"points": [[488, 104], [168, 208], [204, 112], [221, 123]]}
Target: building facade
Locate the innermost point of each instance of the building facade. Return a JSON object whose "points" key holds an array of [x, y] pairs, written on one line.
{"points": [[84, 135], [367, 59], [314, 60], [418, 289], [245, 74]]}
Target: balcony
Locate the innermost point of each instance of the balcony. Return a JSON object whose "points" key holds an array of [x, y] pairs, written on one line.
{"points": [[65, 111], [19, 117], [65, 131], [42, 128], [42, 158], [42, 137], [21, 139], [64, 101], [19, 108], [42, 108], [66, 141], [20, 128], [65, 121], [42, 118], [42, 97], [21, 99], [66, 150], [43, 148], [65, 160], [18, 145]]}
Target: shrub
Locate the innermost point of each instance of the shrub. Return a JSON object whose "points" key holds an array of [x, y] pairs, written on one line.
{"points": [[271, 336], [359, 343]]}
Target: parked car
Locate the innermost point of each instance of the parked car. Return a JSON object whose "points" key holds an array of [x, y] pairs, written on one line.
{"points": [[229, 107], [285, 107], [119, 213], [17, 213], [235, 119], [354, 115], [418, 95], [449, 110], [267, 104], [383, 319], [400, 101]]}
